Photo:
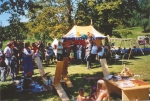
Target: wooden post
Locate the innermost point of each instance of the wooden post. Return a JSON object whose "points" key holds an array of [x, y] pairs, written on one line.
{"points": [[56, 81], [58, 72], [65, 66], [65, 72]]}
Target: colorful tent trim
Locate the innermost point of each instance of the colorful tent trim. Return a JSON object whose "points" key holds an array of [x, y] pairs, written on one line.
{"points": [[83, 32]]}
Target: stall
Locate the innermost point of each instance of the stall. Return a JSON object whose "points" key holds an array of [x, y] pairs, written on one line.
{"points": [[81, 33]]}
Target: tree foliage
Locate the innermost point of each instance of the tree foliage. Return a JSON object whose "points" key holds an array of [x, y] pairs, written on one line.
{"points": [[106, 14], [17, 6], [141, 15], [53, 18]]}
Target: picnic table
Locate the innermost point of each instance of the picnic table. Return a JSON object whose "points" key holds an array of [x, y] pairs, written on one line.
{"points": [[128, 93]]}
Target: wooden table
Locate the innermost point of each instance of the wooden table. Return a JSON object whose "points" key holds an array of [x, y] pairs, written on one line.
{"points": [[130, 93]]}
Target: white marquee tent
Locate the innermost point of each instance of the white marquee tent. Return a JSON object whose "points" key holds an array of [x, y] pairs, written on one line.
{"points": [[77, 32]]}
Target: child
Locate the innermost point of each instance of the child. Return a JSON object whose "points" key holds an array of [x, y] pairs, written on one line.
{"points": [[102, 92], [71, 56], [93, 89], [81, 96], [3, 68]]}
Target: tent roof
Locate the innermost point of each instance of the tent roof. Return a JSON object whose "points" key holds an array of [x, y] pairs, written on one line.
{"points": [[55, 42], [77, 31]]}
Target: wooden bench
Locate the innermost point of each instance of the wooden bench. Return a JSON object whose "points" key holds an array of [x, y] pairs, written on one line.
{"points": [[65, 72], [129, 93], [56, 81], [61, 92], [67, 80]]}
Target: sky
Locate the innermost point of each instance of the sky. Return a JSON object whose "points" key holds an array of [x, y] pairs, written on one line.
{"points": [[5, 16]]}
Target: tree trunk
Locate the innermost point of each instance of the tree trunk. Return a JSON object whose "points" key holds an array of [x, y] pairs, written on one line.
{"points": [[108, 30], [69, 11]]}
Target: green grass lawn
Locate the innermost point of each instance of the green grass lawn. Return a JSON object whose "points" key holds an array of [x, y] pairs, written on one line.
{"points": [[140, 66]]}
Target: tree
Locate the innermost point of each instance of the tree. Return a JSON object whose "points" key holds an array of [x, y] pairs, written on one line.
{"points": [[144, 13], [2, 33], [106, 14], [55, 18], [16, 29], [17, 6], [82, 16]]}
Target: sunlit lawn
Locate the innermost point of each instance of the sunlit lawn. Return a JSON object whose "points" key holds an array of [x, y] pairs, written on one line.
{"points": [[139, 66]]}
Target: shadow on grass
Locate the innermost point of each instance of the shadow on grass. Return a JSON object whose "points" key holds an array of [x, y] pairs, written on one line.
{"points": [[79, 81], [120, 63], [8, 91]]}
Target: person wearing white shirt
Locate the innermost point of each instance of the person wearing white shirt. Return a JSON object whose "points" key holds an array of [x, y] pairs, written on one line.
{"points": [[59, 51], [94, 52], [88, 53], [8, 55], [101, 52]]}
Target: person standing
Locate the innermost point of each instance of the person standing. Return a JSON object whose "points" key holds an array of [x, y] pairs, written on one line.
{"points": [[47, 56], [14, 66], [51, 54], [65, 51], [101, 52], [73, 47], [27, 59], [88, 53], [79, 52], [71, 57], [3, 68], [41, 47], [94, 52], [83, 54], [15, 51], [8, 55], [59, 51]]}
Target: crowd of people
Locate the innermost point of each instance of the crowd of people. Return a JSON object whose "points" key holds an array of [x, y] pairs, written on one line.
{"points": [[18, 55]]}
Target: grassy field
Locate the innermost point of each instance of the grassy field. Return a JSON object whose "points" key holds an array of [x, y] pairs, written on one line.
{"points": [[140, 66]]}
